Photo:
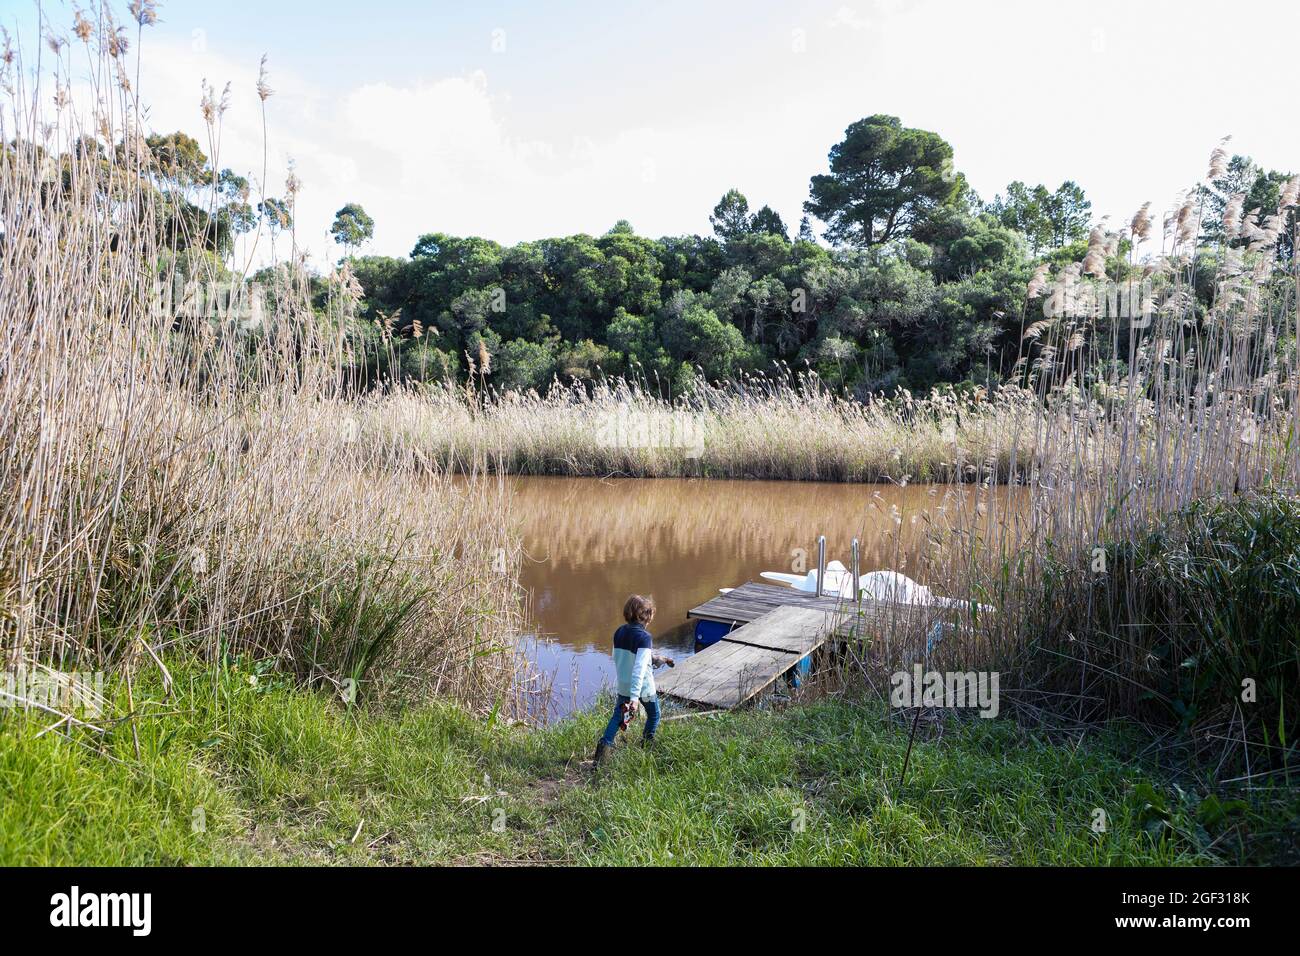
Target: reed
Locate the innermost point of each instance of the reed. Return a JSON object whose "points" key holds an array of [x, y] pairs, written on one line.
{"points": [[185, 476], [1146, 573], [781, 426]]}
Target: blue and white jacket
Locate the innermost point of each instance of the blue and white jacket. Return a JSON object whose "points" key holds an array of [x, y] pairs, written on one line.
{"points": [[633, 648]]}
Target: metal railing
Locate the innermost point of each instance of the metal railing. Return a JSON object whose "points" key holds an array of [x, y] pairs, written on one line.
{"points": [[821, 564], [857, 591]]}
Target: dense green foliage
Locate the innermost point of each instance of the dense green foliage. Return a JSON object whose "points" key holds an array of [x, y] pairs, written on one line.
{"points": [[909, 312], [922, 284], [239, 766], [1047, 220], [1216, 621]]}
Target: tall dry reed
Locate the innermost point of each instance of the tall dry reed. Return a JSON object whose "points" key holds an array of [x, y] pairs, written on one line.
{"points": [[771, 427], [180, 472]]}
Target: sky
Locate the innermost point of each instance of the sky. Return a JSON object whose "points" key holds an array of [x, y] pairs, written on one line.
{"points": [[518, 121]]}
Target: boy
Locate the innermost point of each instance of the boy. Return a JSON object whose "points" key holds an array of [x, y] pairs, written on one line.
{"points": [[633, 659]]}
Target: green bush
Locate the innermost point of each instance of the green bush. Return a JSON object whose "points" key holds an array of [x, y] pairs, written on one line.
{"points": [[1226, 581], [1197, 621]]}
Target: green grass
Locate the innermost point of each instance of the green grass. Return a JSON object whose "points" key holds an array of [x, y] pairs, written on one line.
{"points": [[286, 776]]}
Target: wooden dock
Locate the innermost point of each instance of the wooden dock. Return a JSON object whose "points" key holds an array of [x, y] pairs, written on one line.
{"points": [[752, 600], [774, 628], [752, 656]]}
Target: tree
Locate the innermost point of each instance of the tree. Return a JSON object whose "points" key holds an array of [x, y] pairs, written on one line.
{"points": [[352, 226], [1023, 209], [385, 281], [767, 220], [276, 214], [768, 301], [730, 217], [521, 365], [694, 333], [631, 272], [884, 178], [235, 213], [1069, 213], [634, 337], [962, 244], [179, 160], [689, 262], [1048, 220], [585, 360], [209, 208], [578, 285], [727, 296]]}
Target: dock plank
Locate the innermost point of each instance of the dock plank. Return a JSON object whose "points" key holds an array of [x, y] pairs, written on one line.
{"points": [[797, 630], [750, 658], [773, 628], [726, 674], [753, 599]]}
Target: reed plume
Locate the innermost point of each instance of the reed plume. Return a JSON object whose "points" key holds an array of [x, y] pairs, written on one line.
{"points": [[183, 472]]}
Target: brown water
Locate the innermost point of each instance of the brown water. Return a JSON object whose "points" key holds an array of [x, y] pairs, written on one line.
{"points": [[591, 542]]}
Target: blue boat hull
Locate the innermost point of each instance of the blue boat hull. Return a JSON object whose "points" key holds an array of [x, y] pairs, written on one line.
{"points": [[708, 633]]}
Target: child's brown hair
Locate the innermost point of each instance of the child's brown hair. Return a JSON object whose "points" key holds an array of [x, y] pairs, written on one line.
{"points": [[639, 609]]}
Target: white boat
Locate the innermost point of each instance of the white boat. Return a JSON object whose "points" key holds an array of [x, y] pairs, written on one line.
{"points": [[839, 580], [874, 586]]}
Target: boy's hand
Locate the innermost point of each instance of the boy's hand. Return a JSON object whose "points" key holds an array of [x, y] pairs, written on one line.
{"points": [[632, 705]]}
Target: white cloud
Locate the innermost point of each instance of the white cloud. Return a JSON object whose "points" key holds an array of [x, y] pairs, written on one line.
{"points": [[848, 17], [438, 157]]}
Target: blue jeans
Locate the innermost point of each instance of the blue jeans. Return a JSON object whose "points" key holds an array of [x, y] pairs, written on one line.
{"points": [[651, 708]]}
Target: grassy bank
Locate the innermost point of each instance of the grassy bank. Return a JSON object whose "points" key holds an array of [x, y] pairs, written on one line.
{"points": [[244, 769]]}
